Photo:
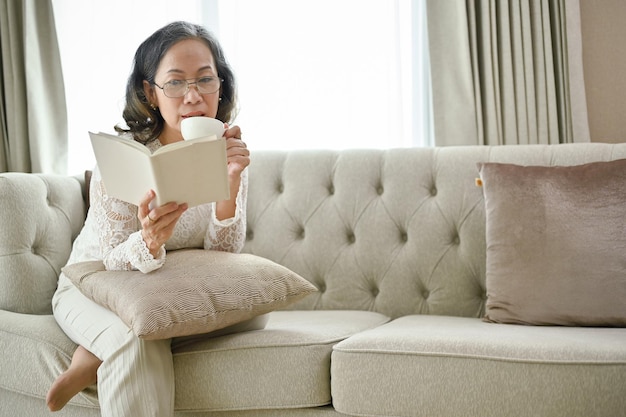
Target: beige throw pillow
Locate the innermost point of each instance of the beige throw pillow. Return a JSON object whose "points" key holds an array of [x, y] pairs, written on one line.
{"points": [[196, 291], [556, 244]]}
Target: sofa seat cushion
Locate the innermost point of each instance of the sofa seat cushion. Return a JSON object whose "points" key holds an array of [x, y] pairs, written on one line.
{"points": [[34, 352], [285, 365], [447, 366]]}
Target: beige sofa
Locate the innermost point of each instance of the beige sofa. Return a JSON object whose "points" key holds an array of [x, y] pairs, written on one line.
{"points": [[395, 242]]}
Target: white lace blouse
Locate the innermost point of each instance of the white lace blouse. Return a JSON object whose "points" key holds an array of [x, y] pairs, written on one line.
{"points": [[112, 230]]}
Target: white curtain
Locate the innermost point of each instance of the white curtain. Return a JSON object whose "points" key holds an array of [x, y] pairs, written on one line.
{"points": [[507, 72], [329, 74], [33, 118]]}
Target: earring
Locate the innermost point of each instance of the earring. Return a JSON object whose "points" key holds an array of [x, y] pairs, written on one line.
{"points": [[219, 99], [153, 106]]}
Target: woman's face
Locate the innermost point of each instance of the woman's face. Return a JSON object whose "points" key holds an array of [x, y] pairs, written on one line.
{"points": [[189, 59]]}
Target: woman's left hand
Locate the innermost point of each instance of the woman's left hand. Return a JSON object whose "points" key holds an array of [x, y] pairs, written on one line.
{"points": [[237, 152], [238, 158]]}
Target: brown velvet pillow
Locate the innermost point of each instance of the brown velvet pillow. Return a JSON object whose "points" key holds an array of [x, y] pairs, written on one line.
{"points": [[196, 291], [556, 243]]}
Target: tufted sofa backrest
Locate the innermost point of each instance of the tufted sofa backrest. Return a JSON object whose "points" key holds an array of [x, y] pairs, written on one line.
{"points": [[40, 215], [397, 231]]}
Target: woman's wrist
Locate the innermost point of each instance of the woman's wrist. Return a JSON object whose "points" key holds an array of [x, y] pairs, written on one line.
{"points": [[226, 209], [153, 246]]}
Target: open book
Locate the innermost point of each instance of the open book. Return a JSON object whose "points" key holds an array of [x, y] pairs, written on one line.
{"points": [[191, 171]]}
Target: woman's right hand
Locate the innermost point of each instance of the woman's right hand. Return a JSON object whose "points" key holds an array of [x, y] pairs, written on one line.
{"points": [[157, 224]]}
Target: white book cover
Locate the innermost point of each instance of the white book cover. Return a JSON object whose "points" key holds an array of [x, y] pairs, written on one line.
{"points": [[191, 171]]}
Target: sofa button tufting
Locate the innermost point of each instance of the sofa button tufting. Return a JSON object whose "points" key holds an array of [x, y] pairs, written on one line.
{"points": [[280, 188], [425, 294], [380, 190], [351, 238], [433, 191], [404, 236], [249, 235], [331, 190]]}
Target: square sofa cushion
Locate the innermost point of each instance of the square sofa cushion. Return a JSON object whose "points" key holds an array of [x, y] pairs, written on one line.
{"points": [[556, 243], [196, 291]]}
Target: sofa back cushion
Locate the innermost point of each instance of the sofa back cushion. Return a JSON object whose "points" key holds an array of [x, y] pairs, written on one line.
{"points": [[398, 231], [40, 215]]}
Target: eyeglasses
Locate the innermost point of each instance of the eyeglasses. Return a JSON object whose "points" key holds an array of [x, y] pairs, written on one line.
{"points": [[178, 88]]}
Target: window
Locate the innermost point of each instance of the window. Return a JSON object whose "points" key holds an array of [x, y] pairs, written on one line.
{"points": [[311, 74]]}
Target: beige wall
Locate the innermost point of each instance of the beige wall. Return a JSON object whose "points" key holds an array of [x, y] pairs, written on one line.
{"points": [[603, 25]]}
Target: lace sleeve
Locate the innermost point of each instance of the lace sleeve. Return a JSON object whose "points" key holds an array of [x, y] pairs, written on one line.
{"points": [[121, 244], [229, 235]]}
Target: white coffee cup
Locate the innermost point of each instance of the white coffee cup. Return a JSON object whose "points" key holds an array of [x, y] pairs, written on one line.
{"points": [[200, 127]]}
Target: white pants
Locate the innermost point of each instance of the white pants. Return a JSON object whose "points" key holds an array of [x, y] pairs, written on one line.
{"points": [[136, 378]]}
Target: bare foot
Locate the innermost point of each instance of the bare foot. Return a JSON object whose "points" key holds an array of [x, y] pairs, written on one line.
{"points": [[81, 374]]}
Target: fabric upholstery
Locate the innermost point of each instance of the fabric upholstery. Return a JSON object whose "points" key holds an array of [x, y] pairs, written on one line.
{"points": [[451, 366], [31, 406], [556, 244], [35, 352], [286, 365], [196, 291], [397, 231], [41, 216]]}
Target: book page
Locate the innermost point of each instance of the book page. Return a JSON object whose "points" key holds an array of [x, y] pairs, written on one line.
{"points": [[125, 141], [175, 145], [126, 169]]}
